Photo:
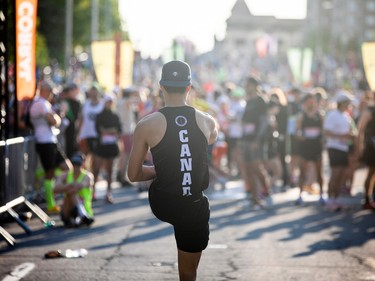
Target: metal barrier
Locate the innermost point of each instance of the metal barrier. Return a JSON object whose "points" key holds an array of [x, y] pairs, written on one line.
{"points": [[17, 168], [2, 172], [18, 162]]}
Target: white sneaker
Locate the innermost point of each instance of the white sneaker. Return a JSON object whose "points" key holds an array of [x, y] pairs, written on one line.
{"points": [[257, 204], [322, 201], [269, 201], [332, 205]]}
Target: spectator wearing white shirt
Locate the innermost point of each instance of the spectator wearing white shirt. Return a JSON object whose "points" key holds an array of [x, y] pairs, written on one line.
{"points": [[45, 122], [340, 131], [126, 108], [88, 136]]}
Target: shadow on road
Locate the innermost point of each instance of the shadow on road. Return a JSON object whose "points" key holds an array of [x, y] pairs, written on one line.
{"points": [[349, 228]]}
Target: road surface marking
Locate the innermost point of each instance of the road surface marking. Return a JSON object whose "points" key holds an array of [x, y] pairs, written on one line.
{"points": [[19, 272]]}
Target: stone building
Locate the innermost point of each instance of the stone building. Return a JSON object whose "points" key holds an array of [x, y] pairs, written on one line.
{"points": [[247, 34]]}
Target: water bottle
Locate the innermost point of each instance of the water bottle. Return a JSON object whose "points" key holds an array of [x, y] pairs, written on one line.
{"points": [[77, 253]]}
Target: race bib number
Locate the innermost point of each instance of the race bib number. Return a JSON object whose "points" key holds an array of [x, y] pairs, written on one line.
{"points": [[312, 132], [108, 139]]}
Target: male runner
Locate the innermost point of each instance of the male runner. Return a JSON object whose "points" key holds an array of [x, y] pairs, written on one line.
{"points": [[178, 136]]}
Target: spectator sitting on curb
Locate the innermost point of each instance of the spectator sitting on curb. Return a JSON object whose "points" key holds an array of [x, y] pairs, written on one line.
{"points": [[76, 185]]}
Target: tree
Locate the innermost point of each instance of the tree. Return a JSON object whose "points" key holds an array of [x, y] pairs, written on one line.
{"points": [[51, 18], [51, 15]]}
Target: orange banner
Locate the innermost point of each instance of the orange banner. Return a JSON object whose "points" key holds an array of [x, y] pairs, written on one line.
{"points": [[26, 11]]}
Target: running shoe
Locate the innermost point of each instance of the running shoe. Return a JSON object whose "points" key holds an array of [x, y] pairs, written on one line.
{"points": [[322, 201], [269, 201], [257, 204], [54, 210], [299, 201], [368, 206], [333, 206], [109, 199], [310, 189]]}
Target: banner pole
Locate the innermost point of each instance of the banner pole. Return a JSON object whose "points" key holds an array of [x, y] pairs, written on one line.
{"points": [[14, 20]]}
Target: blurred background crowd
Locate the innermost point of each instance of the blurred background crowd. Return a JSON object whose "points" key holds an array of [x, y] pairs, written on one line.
{"points": [[99, 86]]}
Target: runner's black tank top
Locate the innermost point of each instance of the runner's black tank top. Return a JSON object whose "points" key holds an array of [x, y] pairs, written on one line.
{"points": [[312, 127], [181, 157]]}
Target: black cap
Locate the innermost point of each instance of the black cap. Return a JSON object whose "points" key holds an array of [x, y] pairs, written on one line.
{"points": [[307, 96], [71, 87], [176, 73], [77, 158], [253, 80]]}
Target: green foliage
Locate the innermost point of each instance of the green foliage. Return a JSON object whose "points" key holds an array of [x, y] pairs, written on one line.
{"points": [[82, 23], [41, 51], [110, 22], [51, 26], [10, 32]]}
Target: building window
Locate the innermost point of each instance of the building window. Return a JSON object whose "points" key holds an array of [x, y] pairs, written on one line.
{"points": [[370, 20], [352, 22], [352, 6], [370, 5], [369, 35]]}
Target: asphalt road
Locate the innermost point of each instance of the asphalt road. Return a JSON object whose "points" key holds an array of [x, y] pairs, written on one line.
{"points": [[126, 242]]}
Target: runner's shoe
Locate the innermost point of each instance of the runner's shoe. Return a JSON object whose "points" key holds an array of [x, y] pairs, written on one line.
{"points": [[322, 201], [54, 210], [333, 206], [257, 204], [299, 201], [368, 206], [269, 201]]}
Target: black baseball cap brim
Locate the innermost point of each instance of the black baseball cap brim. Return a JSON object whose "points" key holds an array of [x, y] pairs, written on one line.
{"points": [[175, 83]]}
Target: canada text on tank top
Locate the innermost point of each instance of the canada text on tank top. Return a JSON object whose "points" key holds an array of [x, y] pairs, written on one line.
{"points": [[180, 158], [185, 159]]}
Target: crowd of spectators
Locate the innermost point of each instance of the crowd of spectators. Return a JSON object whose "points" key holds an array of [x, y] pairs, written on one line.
{"points": [[264, 119]]}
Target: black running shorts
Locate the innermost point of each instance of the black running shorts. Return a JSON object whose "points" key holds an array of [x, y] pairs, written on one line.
{"points": [[51, 155], [189, 217], [250, 154], [338, 158]]}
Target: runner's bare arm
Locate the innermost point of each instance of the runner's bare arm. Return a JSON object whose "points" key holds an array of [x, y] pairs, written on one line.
{"points": [[212, 126], [207, 125], [213, 130], [136, 170]]}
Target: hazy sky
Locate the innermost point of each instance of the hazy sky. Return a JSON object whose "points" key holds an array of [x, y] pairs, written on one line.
{"points": [[153, 24]]}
